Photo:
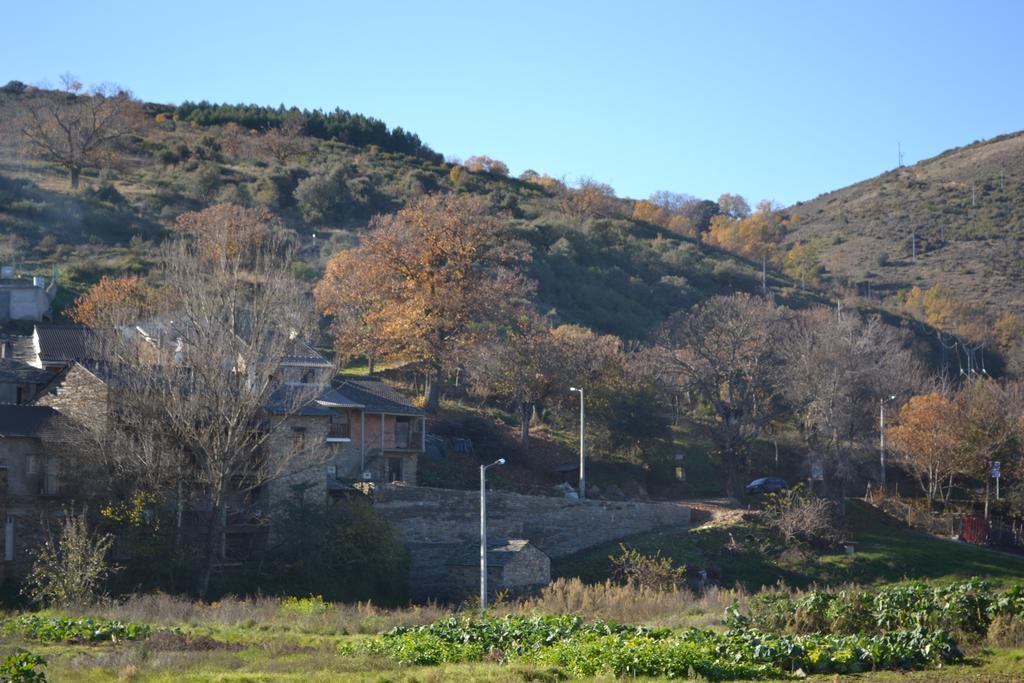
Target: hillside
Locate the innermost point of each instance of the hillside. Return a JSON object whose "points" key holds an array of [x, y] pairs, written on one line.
{"points": [[598, 268], [966, 206]]}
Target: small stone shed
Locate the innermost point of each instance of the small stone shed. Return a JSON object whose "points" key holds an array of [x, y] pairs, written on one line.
{"points": [[514, 565]]}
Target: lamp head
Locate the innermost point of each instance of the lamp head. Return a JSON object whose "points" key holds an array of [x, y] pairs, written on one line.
{"points": [[499, 461], [573, 389]]}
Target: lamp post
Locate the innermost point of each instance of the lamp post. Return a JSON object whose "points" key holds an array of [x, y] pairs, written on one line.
{"points": [[881, 437], [583, 463], [483, 532]]}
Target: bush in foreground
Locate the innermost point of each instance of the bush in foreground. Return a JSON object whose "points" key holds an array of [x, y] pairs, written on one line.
{"points": [[57, 629]]}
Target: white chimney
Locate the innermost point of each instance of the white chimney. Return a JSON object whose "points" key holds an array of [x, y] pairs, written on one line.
{"points": [[39, 281]]}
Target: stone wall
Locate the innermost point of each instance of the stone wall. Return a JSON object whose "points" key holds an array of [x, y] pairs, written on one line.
{"points": [[433, 522], [80, 395]]}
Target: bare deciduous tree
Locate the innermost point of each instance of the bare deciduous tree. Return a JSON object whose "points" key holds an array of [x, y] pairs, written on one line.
{"points": [[286, 140], [726, 352], [522, 368], [836, 370], [76, 128], [200, 391]]}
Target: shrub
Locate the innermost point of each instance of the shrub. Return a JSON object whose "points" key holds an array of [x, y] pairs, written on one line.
{"points": [[633, 568], [314, 604], [339, 552], [70, 568], [22, 667], [965, 608], [322, 197], [801, 516], [206, 181]]}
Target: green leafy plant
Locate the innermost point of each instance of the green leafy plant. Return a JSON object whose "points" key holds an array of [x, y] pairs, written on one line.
{"points": [[22, 667], [605, 648], [84, 630]]}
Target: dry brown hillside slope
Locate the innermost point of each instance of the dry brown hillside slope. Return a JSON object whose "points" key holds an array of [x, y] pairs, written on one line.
{"points": [[966, 206]]}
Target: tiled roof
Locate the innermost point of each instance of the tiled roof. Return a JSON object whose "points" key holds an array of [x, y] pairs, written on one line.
{"points": [[29, 421], [376, 396], [62, 343]]}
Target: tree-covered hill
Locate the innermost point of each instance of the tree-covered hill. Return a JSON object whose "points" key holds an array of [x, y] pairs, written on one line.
{"points": [[961, 211], [597, 259]]}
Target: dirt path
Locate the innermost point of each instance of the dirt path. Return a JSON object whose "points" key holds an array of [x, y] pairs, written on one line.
{"points": [[706, 510]]}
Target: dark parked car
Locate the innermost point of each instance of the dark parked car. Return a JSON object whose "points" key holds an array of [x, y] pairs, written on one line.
{"points": [[766, 485]]}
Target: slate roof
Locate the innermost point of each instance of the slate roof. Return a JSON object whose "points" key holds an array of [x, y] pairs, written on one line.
{"points": [[376, 396], [32, 422], [62, 343], [13, 371], [499, 553], [369, 395], [21, 346], [301, 353]]}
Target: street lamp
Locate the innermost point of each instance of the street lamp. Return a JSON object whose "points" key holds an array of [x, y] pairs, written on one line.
{"points": [[583, 464], [483, 532], [881, 436]]}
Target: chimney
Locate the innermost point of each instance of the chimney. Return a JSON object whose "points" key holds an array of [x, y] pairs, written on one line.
{"points": [[39, 281], [5, 349]]}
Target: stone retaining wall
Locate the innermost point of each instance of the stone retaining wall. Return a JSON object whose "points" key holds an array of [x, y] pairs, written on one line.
{"points": [[434, 522]]}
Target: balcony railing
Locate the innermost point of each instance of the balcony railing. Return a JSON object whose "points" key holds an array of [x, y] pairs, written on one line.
{"points": [[339, 431]]}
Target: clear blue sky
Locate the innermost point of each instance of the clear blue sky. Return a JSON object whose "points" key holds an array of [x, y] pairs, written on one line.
{"points": [[780, 100]]}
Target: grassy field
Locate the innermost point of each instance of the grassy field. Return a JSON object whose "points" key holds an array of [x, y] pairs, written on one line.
{"points": [[743, 553], [274, 640], [267, 641]]}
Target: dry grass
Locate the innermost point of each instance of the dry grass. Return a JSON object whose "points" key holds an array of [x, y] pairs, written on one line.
{"points": [[629, 604], [309, 617]]}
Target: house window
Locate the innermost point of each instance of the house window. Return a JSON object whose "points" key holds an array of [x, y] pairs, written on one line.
{"points": [[9, 539], [340, 427], [308, 377], [298, 439], [33, 464], [403, 429]]}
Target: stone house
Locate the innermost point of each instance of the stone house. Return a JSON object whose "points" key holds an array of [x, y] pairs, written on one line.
{"points": [[19, 381], [32, 490], [358, 429], [331, 434], [514, 565]]}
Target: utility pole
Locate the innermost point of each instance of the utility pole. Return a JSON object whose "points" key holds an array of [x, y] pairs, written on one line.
{"points": [[899, 154], [881, 437], [583, 460], [483, 532]]}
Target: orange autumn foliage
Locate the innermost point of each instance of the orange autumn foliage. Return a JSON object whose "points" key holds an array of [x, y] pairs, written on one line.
{"points": [[111, 301]]}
